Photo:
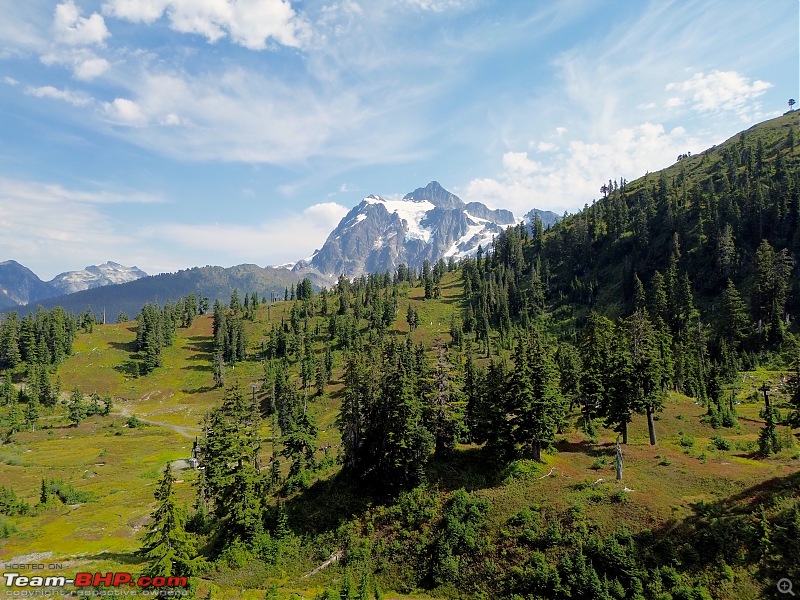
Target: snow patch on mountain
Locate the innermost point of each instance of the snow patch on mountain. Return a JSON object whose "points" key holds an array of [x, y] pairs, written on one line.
{"points": [[479, 232], [93, 276], [411, 212]]}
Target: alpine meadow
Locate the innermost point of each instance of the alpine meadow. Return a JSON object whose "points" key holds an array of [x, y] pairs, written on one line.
{"points": [[602, 407]]}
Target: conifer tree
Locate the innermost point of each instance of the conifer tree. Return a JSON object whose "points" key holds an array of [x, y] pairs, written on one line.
{"points": [[10, 355], [13, 416], [596, 350], [31, 413], [537, 406], [646, 369], [445, 405], [167, 547], [356, 402], [76, 407], [735, 318]]}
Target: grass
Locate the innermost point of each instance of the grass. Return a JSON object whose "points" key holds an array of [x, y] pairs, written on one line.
{"points": [[120, 464]]}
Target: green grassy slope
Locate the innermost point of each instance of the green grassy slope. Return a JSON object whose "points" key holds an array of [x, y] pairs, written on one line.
{"points": [[120, 465]]}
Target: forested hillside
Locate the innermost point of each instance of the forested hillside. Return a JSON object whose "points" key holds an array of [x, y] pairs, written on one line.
{"points": [[605, 409]]}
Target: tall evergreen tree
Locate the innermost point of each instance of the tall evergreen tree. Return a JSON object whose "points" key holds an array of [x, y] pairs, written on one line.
{"points": [[646, 369], [168, 549], [534, 394]]}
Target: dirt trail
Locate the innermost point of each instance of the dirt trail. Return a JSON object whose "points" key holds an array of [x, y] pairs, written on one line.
{"points": [[187, 432]]}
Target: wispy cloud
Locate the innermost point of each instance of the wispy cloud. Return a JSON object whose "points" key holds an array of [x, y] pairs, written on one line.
{"points": [[608, 104], [48, 91], [251, 24], [85, 64], [238, 114], [47, 194], [41, 221], [719, 91]]}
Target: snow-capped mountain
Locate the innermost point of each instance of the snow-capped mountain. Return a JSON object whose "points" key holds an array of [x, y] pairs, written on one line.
{"points": [[93, 276], [429, 223]]}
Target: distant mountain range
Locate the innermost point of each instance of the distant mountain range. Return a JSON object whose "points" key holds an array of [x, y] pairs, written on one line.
{"points": [[214, 283], [19, 286], [376, 235]]}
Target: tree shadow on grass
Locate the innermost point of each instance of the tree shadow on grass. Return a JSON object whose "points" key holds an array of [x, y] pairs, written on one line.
{"points": [[468, 468], [129, 347], [200, 390], [201, 344], [129, 368], [586, 447], [327, 504]]}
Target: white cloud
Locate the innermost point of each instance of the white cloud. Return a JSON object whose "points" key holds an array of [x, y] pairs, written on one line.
{"points": [[10, 81], [73, 29], [674, 102], [90, 68], [719, 91], [124, 112], [48, 91], [172, 120], [136, 11], [573, 178], [325, 214], [85, 64], [250, 23], [545, 147], [281, 239], [437, 6], [518, 163]]}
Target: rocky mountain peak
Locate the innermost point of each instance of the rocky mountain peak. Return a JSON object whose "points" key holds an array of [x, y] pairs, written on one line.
{"points": [[436, 195]]}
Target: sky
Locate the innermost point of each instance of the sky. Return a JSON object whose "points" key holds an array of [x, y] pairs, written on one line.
{"points": [[169, 134]]}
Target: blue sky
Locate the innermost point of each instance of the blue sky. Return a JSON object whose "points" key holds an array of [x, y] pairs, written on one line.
{"points": [[179, 133]]}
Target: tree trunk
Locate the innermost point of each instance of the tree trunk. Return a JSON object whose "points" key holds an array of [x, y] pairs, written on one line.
{"points": [[651, 427], [537, 451], [624, 432]]}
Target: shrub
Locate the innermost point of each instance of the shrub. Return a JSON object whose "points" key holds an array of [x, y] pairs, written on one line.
{"points": [[7, 529], [134, 422], [598, 463], [619, 497], [459, 533], [64, 492], [686, 441], [720, 443], [521, 469], [11, 505]]}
